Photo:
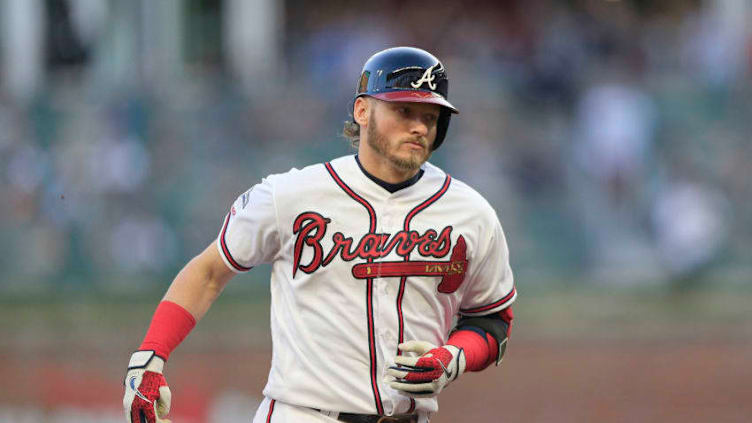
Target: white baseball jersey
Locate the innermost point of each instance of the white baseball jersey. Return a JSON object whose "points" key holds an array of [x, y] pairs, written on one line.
{"points": [[356, 270]]}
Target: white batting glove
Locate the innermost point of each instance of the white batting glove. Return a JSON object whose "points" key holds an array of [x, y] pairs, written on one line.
{"points": [[147, 396], [428, 373]]}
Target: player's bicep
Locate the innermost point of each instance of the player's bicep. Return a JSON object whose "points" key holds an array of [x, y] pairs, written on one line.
{"points": [[208, 272], [212, 261]]}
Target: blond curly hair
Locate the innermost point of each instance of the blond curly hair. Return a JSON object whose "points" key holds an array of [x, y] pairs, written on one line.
{"points": [[351, 131]]}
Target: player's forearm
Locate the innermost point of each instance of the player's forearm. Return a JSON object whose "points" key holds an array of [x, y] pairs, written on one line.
{"points": [[199, 283], [483, 338], [189, 297]]}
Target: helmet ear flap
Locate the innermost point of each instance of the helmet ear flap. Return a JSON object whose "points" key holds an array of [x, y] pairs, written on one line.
{"points": [[441, 127]]}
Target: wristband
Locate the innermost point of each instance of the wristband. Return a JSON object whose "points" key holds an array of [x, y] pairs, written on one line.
{"points": [[170, 324], [480, 350]]}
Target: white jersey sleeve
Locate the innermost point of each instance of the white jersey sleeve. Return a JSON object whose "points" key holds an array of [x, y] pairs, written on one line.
{"points": [[250, 234], [490, 285]]}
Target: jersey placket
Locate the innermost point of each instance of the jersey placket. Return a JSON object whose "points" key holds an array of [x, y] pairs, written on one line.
{"points": [[384, 298], [371, 296], [393, 219]]}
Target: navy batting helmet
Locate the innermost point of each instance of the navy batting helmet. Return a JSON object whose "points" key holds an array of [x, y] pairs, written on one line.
{"points": [[411, 75]]}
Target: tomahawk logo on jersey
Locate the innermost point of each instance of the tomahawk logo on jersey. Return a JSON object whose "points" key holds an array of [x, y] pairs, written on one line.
{"points": [[357, 270]]}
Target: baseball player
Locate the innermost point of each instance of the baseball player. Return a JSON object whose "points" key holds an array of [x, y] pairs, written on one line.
{"points": [[390, 279]]}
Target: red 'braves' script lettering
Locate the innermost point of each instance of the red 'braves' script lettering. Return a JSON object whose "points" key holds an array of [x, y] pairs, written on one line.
{"points": [[310, 228]]}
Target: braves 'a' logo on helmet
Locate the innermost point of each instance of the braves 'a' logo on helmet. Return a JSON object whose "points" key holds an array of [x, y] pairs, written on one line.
{"points": [[428, 76]]}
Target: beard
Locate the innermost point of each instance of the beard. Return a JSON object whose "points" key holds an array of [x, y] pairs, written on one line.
{"points": [[378, 142]]}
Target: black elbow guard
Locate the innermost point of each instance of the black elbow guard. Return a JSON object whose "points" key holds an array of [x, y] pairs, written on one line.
{"points": [[491, 324]]}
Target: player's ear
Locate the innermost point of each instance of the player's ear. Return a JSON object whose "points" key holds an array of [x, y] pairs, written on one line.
{"points": [[361, 110]]}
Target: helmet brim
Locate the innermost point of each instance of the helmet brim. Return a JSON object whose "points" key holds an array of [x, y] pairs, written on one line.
{"points": [[410, 96]]}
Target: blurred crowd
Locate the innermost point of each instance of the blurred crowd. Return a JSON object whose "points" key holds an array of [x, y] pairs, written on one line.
{"points": [[613, 137]]}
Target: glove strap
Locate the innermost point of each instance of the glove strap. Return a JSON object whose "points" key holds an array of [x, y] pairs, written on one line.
{"points": [[147, 360], [458, 356]]}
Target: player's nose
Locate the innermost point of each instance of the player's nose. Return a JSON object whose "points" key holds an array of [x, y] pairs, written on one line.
{"points": [[418, 127]]}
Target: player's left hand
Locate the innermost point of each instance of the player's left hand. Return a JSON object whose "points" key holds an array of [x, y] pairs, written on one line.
{"points": [[147, 396], [426, 374]]}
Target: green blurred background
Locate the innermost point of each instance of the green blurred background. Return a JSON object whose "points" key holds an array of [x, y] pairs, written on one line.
{"points": [[613, 138]]}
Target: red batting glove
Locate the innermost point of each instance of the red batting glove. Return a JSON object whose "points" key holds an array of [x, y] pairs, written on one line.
{"points": [[428, 373], [147, 396]]}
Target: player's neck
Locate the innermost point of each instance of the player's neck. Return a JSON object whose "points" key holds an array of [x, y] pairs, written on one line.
{"points": [[383, 169]]}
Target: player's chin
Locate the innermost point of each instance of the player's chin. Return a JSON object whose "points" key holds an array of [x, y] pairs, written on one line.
{"points": [[414, 153], [409, 161]]}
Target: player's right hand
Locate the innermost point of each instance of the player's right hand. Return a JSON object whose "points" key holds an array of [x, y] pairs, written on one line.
{"points": [[425, 375], [147, 396]]}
